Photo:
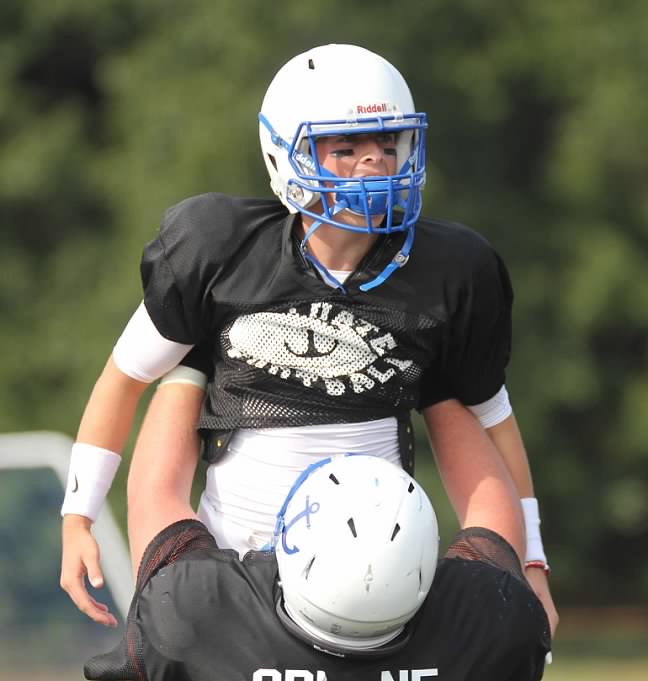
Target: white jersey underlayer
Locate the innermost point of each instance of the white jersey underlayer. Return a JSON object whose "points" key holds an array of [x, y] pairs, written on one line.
{"points": [[246, 488], [339, 275]]}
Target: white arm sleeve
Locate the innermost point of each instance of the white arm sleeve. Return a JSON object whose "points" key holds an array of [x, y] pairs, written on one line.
{"points": [[494, 410], [142, 353], [186, 375]]}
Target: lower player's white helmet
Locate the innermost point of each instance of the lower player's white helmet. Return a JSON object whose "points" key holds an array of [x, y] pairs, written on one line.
{"points": [[356, 544], [343, 90]]}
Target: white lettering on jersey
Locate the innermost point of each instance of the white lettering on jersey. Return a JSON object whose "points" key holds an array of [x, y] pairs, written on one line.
{"points": [[409, 674], [260, 674], [289, 675], [318, 344]]}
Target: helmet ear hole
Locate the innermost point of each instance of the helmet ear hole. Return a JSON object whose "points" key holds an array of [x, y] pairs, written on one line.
{"points": [[308, 567], [272, 160]]}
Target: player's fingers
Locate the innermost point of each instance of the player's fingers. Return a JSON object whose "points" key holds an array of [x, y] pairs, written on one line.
{"points": [[99, 612], [73, 582], [102, 614], [96, 611], [101, 606], [72, 573], [90, 559]]}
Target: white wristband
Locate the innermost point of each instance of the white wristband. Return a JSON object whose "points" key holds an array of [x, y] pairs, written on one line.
{"points": [[90, 475], [534, 548]]}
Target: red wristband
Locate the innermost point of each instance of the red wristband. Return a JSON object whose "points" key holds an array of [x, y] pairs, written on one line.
{"points": [[538, 564]]}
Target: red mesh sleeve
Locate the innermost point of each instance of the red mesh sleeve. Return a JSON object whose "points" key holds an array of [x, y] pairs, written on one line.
{"points": [[174, 541], [478, 543]]}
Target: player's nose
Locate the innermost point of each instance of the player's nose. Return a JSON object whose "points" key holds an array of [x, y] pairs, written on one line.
{"points": [[371, 151]]}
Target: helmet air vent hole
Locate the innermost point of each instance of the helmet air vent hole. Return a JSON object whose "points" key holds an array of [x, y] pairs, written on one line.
{"points": [[351, 525], [410, 489], [332, 478], [311, 65], [395, 532], [272, 160], [307, 569]]}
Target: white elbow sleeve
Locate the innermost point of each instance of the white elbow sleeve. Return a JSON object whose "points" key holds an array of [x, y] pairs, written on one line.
{"points": [[185, 375], [142, 353], [493, 411]]}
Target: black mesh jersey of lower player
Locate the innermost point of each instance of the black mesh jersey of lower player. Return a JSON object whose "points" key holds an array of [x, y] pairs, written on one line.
{"points": [[201, 614], [289, 350]]}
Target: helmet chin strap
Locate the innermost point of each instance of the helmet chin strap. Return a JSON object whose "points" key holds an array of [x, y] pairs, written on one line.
{"points": [[399, 260], [312, 259]]}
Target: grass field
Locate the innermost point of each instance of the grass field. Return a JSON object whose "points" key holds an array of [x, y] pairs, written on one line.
{"points": [[601, 645], [597, 669]]}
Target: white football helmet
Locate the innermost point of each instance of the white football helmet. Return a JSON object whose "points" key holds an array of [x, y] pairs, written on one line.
{"points": [[343, 90], [356, 544]]}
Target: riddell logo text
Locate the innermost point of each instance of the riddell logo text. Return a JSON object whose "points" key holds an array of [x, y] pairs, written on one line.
{"points": [[371, 108]]}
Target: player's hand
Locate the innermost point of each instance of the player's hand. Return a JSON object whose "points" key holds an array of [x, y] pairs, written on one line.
{"points": [[81, 559], [540, 584]]}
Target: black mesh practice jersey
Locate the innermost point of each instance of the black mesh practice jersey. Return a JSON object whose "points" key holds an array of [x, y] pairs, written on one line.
{"points": [[286, 349], [201, 614]]}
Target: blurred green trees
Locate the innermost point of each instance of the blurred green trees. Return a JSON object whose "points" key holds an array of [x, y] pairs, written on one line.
{"points": [[110, 111]]}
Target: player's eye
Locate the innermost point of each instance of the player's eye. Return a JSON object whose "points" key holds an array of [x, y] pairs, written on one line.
{"points": [[389, 151], [340, 153]]}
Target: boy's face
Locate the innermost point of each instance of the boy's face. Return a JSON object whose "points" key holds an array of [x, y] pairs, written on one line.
{"points": [[364, 155]]}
